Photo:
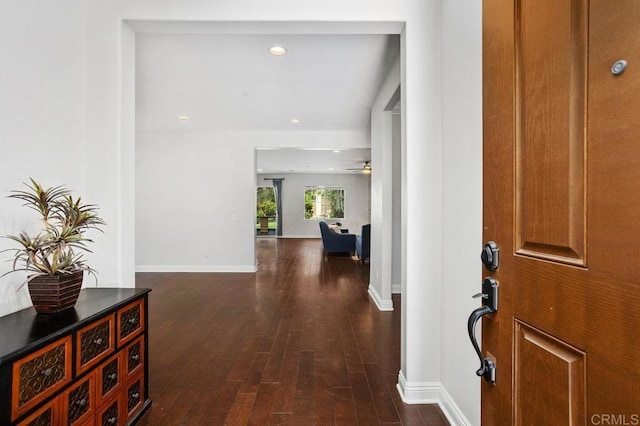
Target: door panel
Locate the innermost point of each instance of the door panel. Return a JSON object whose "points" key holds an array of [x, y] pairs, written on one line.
{"points": [[549, 379], [562, 201], [551, 70]]}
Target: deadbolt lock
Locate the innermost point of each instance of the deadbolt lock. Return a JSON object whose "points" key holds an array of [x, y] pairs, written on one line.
{"points": [[490, 257]]}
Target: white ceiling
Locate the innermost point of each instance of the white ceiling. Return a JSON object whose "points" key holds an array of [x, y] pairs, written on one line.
{"points": [[229, 82]]}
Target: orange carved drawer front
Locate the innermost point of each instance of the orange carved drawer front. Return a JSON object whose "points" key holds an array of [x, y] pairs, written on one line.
{"points": [[79, 402], [134, 358], [94, 343], [46, 416], [110, 415], [109, 378], [130, 322], [39, 375], [134, 396]]}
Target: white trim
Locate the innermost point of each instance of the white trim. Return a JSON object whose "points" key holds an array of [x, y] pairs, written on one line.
{"points": [[431, 393], [196, 268], [295, 27], [383, 305], [299, 236], [451, 410], [418, 392], [396, 289]]}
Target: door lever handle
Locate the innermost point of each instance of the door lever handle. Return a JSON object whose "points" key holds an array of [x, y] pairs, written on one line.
{"points": [[489, 297], [487, 368]]}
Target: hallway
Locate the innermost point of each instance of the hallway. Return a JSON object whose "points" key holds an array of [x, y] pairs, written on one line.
{"points": [[299, 342]]}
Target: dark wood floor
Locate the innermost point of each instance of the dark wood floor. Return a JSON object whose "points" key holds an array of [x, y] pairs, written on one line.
{"points": [[299, 343]]}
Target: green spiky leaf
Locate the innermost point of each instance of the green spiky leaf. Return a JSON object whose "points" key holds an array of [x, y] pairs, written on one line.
{"points": [[60, 245]]}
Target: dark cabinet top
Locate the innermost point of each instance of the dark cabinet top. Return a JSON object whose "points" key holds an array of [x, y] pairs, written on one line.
{"points": [[25, 331]]}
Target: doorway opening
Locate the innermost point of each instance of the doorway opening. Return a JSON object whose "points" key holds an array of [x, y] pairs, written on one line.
{"points": [[266, 223]]}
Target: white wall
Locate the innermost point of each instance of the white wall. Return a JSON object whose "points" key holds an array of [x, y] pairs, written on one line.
{"points": [[356, 187], [382, 190], [419, 379], [461, 196], [194, 199], [66, 83], [42, 88], [195, 196], [396, 230]]}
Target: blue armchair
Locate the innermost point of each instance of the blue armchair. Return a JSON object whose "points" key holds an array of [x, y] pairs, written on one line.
{"points": [[336, 243], [363, 243]]}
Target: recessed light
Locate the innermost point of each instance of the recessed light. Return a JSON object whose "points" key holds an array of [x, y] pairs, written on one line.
{"points": [[295, 121], [184, 118], [337, 151], [277, 50], [259, 170], [330, 168]]}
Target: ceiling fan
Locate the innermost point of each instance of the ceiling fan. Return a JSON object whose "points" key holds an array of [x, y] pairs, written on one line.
{"points": [[366, 168]]}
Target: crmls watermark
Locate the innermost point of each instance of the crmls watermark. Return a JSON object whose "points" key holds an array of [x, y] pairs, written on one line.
{"points": [[615, 419]]}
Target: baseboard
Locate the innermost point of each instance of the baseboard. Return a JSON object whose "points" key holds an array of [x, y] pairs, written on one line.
{"points": [[451, 409], [383, 305], [196, 268], [418, 392], [396, 288], [300, 236], [431, 393]]}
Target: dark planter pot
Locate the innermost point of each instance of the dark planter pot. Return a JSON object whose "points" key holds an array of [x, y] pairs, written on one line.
{"points": [[54, 293]]}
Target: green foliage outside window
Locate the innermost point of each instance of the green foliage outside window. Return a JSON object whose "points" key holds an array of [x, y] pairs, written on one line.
{"points": [[324, 203], [309, 200], [266, 205]]}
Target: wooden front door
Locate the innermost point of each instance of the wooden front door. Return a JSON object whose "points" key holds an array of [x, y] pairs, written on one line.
{"points": [[562, 202]]}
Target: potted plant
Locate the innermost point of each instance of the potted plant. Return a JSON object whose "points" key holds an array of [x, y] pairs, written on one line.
{"points": [[53, 258]]}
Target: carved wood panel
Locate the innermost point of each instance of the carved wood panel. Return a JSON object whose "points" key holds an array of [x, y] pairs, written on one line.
{"points": [[549, 379], [130, 322], [109, 377], [45, 416], [111, 416], [78, 402], [135, 357], [550, 120], [94, 343], [39, 375], [134, 396]]}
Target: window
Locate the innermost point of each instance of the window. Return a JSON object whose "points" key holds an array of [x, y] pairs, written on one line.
{"points": [[323, 202]]}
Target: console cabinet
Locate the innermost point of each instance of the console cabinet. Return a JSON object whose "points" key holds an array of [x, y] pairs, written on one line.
{"points": [[83, 366]]}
